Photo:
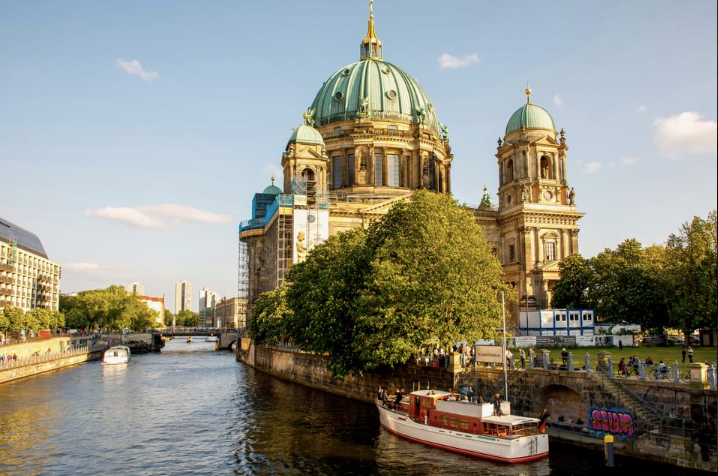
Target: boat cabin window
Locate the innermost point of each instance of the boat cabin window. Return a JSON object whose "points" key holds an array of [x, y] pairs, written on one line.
{"points": [[464, 424], [454, 422]]}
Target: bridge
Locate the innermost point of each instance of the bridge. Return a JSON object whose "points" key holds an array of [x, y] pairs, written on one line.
{"points": [[228, 338]]}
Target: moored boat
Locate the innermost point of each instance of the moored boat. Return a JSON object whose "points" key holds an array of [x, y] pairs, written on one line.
{"points": [[119, 354], [434, 418], [212, 338]]}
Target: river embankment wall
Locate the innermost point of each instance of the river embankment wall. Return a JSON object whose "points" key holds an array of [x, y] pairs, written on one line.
{"points": [[569, 392], [37, 357]]}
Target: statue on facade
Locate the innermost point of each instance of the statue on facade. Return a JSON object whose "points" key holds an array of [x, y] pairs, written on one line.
{"points": [[572, 197], [526, 194], [420, 115], [445, 132], [301, 247], [309, 117], [363, 107]]}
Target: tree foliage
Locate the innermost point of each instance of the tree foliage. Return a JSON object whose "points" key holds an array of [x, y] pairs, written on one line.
{"points": [[672, 285], [691, 274], [371, 298], [112, 308]]}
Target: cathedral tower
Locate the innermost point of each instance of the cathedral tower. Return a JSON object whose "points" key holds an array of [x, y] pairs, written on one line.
{"points": [[537, 217]]}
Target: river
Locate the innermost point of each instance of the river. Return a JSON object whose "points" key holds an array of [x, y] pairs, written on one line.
{"points": [[190, 410]]}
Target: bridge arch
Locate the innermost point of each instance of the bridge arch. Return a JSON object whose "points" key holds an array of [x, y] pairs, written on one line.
{"points": [[562, 402]]}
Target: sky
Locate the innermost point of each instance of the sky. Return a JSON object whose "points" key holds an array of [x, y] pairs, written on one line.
{"points": [[134, 134]]}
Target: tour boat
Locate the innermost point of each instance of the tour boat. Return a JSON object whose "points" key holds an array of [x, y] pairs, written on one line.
{"points": [[189, 340], [119, 354], [212, 338], [433, 418]]}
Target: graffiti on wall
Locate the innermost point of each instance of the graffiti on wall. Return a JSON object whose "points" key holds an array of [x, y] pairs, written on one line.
{"points": [[614, 422]]}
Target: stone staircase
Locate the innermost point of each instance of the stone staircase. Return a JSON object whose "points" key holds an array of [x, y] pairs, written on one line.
{"points": [[647, 418]]}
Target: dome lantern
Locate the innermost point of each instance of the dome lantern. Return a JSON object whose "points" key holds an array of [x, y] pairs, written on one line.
{"points": [[370, 47]]}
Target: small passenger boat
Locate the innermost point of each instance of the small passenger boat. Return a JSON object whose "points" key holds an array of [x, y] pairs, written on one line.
{"points": [[119, 354], [212, 338], [189, 340], [433, 418]]}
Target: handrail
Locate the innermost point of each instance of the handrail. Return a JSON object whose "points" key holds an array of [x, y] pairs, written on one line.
{"points": [[48, 356]]}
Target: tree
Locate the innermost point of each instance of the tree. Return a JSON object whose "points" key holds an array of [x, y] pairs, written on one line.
{"points": [[627, 286], [169, 317], [422, 272], [576, 278], [268, 324], [691, 275]]}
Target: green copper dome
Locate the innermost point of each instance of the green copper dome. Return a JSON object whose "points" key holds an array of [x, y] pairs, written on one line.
{"points": [[531, 117], [375, 89], [272, 189], [305, 134]]}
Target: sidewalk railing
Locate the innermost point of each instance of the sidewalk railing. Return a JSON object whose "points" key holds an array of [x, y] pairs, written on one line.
{"points": [[48, 356]]}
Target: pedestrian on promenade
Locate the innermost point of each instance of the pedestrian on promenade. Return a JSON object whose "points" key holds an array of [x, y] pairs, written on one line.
{"points": [[683, 353], [690, 354], [522, 355]]}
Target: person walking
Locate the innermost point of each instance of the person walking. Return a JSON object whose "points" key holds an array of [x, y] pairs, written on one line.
{"points": [[522, 356], [683, 354], [690, 354]]}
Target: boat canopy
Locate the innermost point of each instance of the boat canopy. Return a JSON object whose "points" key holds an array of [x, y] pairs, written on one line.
{"points": [[512, 420]]}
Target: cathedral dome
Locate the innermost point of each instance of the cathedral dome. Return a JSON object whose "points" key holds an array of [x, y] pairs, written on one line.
{"points": [[305, 134], [376, 88], [530, 116]]}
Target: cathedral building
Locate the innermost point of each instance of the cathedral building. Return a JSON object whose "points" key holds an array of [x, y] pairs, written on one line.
{"points": [[370, 138]]}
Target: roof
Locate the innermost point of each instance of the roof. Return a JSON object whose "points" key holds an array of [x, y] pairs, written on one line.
{"points": [[305, 134], [26, 240], [376, 89], [530, 116]]}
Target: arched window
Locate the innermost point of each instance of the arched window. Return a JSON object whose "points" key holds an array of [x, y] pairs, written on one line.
{"points": [[510, 170], [550, 246]]}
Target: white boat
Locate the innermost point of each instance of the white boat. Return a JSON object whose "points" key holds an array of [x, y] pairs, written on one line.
{"points": [[212, 338], [431, 418], [189, 340], [119, 354]]}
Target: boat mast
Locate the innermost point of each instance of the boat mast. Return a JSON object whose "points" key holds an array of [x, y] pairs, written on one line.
{"points": [[503, 348]]}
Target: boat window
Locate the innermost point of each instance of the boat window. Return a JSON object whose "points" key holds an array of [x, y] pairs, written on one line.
{"points": [[454, 422], [444, 421], [464, 424]]}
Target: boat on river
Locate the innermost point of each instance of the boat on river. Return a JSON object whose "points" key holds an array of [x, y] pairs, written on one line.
{"points": [[435, 418], [119, 354], [189, 340], [212, 338]]}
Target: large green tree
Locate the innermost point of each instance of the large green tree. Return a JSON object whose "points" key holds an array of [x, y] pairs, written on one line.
{"points": [[422, 272], [572, 291], [627, 286], [691, 274]]}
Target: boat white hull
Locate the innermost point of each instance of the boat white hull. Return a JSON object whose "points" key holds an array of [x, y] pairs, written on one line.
{"points": [[116, 355], [506, 450]]}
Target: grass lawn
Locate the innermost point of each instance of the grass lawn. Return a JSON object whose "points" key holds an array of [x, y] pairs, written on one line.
{"points": [[668, 354]]}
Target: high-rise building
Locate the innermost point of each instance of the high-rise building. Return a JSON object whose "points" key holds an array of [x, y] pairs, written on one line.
{"points": [[136, 288], [207, 302], [183, 296], [28, 279], [371, 138]]}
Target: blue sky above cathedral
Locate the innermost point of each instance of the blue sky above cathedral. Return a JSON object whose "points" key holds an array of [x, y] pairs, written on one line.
{"points": [[133, 135]]}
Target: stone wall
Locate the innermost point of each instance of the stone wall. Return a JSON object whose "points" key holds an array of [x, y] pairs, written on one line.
{"points": [[569, 396]]}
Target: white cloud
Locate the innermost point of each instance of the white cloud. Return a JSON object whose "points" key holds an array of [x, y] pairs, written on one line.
{"points": [[557, 100], [641, 108], [447, 61], [82, 267], [592, 167], [629, 160], [158, 216], [134, 68], [684, 133]]}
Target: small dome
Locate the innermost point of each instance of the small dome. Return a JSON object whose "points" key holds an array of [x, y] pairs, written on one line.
{"points": [[530, 116], [305, 134], [273, 189]]}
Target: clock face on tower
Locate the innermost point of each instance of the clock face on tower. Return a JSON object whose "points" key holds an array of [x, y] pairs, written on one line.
{"points": [[547, 195]]}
